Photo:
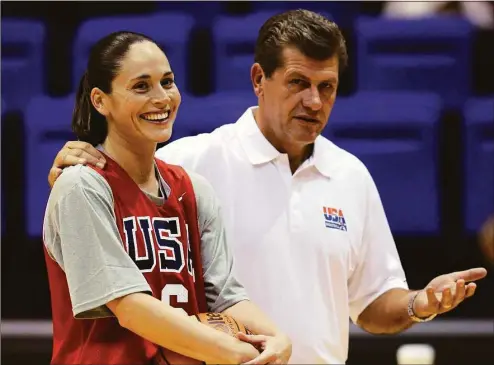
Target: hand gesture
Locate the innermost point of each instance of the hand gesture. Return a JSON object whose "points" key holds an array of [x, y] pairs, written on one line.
{"points": [[446, 292]]}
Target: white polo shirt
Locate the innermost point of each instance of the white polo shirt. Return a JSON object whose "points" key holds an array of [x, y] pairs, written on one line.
{"points": [[313, 248]]}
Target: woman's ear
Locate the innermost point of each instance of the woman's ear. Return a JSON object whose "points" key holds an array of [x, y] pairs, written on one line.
{"points": [[100, 101]]}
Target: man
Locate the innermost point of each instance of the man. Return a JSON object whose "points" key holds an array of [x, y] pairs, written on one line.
{"points": [[310, 237]]}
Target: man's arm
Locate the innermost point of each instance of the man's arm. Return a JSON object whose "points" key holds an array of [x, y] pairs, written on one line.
{"points": [[379, 296], [389, 313], [223, 292], [81, 235]]}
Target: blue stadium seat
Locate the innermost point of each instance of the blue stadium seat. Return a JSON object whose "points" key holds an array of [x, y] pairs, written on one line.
{"points": [[202, 11], [479, 162], [22, 61], [234, 40], [204, 114], [171, 31], [395, 136], [342, 12], [430, 54], [48, 127]]}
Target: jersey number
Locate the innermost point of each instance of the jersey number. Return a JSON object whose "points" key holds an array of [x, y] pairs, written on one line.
{"points": [[177, 290]]}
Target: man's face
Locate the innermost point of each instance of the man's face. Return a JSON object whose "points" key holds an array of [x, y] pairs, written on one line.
{"points": [[296, 101]]}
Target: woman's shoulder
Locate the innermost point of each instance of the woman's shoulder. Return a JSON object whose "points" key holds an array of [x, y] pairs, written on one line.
{"points": [[80, 178]]}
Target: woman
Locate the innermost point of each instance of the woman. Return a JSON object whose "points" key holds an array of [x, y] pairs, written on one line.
{"points": [[135, 249]]}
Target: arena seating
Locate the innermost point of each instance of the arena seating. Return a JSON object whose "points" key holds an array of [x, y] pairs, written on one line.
{"points": [[395, 135], [23, 58], [479, 162], [169, 30], [430, 54], [48, 127], [409, 74]]}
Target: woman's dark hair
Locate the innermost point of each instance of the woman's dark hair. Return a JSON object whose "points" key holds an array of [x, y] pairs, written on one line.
{"points": [[311, 33], [102, 67]]}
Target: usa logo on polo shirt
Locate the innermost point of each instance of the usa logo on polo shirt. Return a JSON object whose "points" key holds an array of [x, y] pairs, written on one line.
{"points": [[334, 218]]}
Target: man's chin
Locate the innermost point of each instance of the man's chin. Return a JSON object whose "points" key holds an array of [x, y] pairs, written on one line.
{"points": [[306, 138]]}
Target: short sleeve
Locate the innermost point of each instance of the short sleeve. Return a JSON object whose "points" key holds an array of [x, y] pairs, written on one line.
{"points": [[81, 235], [379, 267]]}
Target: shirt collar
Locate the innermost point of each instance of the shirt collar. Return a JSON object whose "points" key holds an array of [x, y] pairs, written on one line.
{"points": [[255, 145], [323, 156], [259, 150]]}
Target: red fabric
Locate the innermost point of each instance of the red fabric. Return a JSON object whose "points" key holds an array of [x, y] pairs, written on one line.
{"points": [[104, 341]]}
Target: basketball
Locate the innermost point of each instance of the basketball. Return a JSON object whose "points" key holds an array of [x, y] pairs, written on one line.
{"points": [[222, 322], [219, 322]]}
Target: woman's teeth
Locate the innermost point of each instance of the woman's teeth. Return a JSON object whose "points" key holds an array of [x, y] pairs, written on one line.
{"points": [[155, 117]]}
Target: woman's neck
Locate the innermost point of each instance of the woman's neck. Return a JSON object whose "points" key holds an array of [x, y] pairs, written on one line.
{"points": [[136, 158]]}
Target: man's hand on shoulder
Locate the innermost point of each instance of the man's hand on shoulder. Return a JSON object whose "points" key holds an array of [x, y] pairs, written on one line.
{"points": [[74, 153]]}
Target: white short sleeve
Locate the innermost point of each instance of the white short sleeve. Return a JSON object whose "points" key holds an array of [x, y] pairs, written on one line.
{"points": [[379, 267]]}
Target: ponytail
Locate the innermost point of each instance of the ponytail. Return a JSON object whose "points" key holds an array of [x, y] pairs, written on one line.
{"points": [[88, 125]]}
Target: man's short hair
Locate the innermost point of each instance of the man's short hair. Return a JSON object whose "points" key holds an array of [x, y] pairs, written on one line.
{"points": [[312, 34]]}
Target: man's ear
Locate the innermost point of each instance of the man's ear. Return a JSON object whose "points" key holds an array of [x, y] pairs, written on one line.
{"points": [[257, 77], [100, 101]]}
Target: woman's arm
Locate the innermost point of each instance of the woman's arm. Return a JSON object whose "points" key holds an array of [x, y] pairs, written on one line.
{"points": [[81, 235], [172, 328], [251, 316]]}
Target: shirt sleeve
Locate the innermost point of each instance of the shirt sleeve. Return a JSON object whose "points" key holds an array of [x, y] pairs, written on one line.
{"points": [[222, 288], [379, 267], [81, 235]]}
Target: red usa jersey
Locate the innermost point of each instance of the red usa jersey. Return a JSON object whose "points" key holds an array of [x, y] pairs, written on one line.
{"points": [[164, 243]]}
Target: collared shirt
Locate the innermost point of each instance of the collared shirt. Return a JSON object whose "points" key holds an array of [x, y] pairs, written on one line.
{"points": [[312, 248]]}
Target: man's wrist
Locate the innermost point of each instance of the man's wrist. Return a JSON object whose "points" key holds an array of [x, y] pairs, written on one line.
{"points": [[417, 315]]}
